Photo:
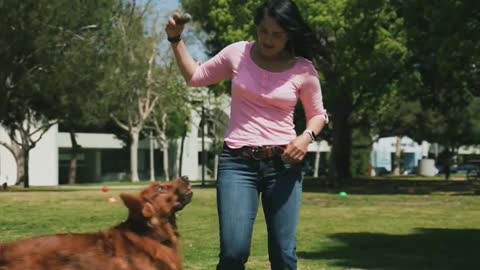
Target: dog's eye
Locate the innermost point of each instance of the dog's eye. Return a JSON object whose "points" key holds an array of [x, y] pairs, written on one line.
{"points": [[162, 189]]}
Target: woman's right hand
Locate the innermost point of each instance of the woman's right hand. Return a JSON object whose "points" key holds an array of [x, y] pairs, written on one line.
{"points": [[174, 29]]}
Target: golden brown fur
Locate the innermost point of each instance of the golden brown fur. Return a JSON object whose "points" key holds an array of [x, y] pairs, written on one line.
{"points": [[147, 240]]}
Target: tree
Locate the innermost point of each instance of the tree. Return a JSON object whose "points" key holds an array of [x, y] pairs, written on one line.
{"points": [[444, 37], [171, 117], [367, 49], [398, 116], [364, 46], [24, 136], [132, 81], [217, 123], [18, 65], [34, 38], [79, 69]]}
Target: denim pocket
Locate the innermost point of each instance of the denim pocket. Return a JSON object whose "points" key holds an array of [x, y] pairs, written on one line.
{"points": [[281, 165]]}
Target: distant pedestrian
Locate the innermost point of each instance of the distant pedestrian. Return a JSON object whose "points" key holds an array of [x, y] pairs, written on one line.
{"points": [[445, 159]]}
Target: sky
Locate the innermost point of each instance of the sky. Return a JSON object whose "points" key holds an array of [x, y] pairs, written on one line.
{"points": [[163, 8]]}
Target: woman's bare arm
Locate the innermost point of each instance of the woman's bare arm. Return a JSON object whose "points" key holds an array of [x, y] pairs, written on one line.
{"points": [[184, 60]]}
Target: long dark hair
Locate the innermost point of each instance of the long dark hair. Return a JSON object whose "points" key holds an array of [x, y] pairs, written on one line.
{"points": [[301, 39]]}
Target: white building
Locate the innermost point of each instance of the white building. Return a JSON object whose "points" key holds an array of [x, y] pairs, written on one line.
{"points": [[384, 150], [104, 157], [43, 161]]}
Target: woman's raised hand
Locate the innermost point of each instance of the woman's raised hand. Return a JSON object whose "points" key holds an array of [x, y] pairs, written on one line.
{"points": [[176, 24]]}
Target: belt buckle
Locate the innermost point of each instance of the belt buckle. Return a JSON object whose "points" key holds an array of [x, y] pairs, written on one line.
{"points": [[256, 150]]}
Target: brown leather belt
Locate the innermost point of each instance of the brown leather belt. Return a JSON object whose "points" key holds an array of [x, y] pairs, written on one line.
{"points": [[262, 152]]}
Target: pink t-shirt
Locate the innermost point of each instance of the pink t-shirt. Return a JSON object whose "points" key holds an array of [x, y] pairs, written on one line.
{"points": [[263, 102]]}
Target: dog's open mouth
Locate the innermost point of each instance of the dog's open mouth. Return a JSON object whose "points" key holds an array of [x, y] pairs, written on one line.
{"points": [[187, 195], [187, 198]]}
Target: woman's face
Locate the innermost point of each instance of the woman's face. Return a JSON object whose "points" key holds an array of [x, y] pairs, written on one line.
{"points": [[271, 38]]}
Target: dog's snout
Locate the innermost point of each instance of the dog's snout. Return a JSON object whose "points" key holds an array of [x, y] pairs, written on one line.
{"points": [[185, 179]]}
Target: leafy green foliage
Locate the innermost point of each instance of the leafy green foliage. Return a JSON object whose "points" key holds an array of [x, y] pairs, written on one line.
{"points": [[174, 103], [388, 67], [444, 40], [50, 55], [365, 46], [48, 64]]}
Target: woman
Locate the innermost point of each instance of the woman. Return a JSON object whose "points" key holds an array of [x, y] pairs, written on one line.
{"points": [[262, 153]]}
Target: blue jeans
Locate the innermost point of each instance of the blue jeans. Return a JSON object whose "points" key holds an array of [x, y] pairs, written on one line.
{"points": [[239, 185]]}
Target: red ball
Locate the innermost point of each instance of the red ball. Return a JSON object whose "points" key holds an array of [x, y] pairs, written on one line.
{"points": [[105, 189]]}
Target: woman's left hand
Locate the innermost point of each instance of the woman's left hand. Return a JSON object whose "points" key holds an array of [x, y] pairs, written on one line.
{"points": [[296, 149]]}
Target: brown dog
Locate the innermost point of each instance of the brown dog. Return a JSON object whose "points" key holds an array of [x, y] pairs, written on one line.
{"points": [[147, 240]]}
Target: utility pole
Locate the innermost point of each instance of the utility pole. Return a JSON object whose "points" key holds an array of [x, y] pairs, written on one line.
{"points": [[152, 162], [204, 156]]}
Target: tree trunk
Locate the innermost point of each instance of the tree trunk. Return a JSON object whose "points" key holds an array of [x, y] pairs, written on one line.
{"points": [[447, 162], [28, 140], [72, 172], [72, 175], [341, 153], [166, 168], [215, 166], [25, 154], [20, 160], [135, 134], [342, 144], [152, 158], [398, 156], [26, 180], [180, 156], [163, 143], [317, 160], [16, 151]]}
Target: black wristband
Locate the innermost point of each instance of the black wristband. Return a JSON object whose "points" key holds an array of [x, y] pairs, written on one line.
{"points": [[311, 134], [174, 39]]}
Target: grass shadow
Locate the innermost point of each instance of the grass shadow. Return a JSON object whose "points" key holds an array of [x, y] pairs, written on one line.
{"points": [[426, 248], [386, 186]]}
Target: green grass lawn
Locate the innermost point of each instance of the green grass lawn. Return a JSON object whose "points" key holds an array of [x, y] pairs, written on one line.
{"points": [[383, 231]]}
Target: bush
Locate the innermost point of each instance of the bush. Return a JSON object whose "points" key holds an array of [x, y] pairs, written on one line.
{"points": [[360, 162]]}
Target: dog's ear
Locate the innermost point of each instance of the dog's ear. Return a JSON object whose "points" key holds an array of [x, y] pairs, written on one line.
{"points": [[148, 211], [136, 206], [132, 202]]}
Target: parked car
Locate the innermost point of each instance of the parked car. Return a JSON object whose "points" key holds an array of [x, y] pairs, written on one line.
{"points": [[463, 169], [441, 168], [410, 171], [379, 171]]}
